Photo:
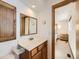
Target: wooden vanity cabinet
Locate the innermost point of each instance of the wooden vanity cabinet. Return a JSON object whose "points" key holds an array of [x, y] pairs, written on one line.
{"points": [[40, 52], [23, 55], [44, 53], [38, 56]]}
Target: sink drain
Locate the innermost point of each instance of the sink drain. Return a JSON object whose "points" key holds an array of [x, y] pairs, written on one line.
{"points": [[68, 55]]}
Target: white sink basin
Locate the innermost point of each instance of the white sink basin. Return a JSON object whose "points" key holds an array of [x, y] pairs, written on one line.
{"points": [[30, 44]]}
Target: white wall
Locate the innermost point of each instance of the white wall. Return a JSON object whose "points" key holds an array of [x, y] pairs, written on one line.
{"points": [[72, 29], [5, 47], [45, 30], [56, 1], [62, 13], [62, 27]]}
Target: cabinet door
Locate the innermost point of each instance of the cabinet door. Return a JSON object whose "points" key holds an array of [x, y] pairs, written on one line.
{"points": [[38, 56], [7, 23], [23, 56], [44, 51]]}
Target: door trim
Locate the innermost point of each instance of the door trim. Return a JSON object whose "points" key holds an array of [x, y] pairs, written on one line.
{"points": [[60, 4]]}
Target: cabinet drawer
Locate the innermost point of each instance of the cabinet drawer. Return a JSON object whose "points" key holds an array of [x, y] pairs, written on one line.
{"points": [[38, 56], [41, 46], [34, 51]]}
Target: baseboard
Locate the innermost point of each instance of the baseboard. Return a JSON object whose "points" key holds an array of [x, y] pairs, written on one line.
{"points": [[71, 50]]}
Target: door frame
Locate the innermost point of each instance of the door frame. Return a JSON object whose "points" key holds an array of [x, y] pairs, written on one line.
{"points": [[60, 4]]}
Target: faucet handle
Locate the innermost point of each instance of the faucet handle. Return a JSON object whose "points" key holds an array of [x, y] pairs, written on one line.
{"points": [[31, 38]]}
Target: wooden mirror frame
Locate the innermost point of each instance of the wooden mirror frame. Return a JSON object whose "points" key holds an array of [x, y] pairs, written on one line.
{"points": [[60, 4], [24, 16], [13, 9]]}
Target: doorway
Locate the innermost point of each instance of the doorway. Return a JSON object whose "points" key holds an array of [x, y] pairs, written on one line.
{"points": [[54, 7]]}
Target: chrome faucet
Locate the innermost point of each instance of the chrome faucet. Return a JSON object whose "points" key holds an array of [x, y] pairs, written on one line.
{"points": [[31, 38]]}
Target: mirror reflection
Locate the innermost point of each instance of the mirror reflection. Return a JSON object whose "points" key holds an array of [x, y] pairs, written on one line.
{"points": [[28, 25]]}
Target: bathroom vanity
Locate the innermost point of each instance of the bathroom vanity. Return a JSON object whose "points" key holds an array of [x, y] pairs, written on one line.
{"points": [[34, 49]]}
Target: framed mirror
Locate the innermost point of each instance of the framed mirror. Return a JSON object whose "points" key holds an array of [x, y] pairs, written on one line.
{"points": [[28, 25]]}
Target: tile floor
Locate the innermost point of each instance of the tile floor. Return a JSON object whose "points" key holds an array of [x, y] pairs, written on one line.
{"points": [[61, 50]]}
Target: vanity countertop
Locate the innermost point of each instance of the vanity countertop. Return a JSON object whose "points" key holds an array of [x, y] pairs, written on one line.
{"points": [[30, 44]]}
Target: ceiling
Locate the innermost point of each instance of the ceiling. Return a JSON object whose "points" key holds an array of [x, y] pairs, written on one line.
{"points": [[40, 4]]}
